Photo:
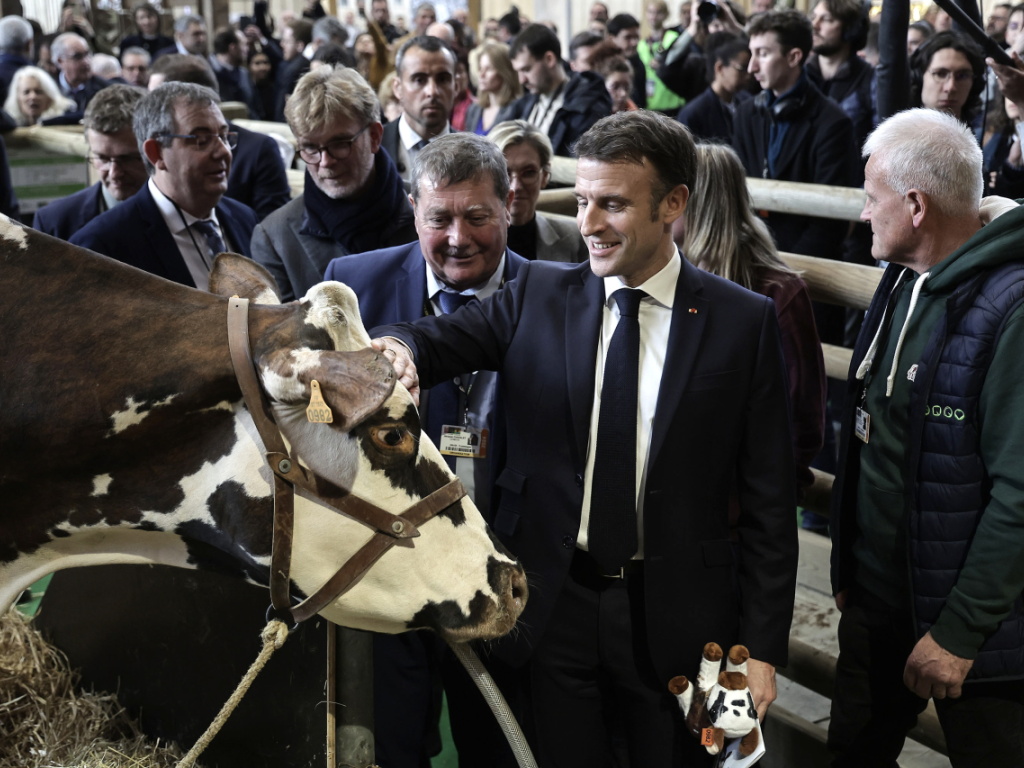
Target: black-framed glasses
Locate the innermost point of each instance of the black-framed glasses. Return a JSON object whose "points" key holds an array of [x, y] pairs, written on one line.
{"points": [[958, 75], [202, 141], [339, 149], [103, 162]]}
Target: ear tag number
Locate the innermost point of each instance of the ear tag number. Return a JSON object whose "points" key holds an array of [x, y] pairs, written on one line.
{"points": [[318, 412], [707, 737]]}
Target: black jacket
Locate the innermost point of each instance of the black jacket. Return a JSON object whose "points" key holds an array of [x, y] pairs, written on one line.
{"points": [[586, 101], [850, 88], [819, 148]]}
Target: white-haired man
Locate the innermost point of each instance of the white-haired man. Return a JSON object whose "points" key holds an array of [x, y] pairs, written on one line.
{"points": [[928, 524]]}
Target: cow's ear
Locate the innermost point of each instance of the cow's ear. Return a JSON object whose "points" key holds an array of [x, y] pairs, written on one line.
{"points": [[354, 384], [234, 275]]}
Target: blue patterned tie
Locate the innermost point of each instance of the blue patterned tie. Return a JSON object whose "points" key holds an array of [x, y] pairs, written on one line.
{"points": [[612, 531], [213, 240]]}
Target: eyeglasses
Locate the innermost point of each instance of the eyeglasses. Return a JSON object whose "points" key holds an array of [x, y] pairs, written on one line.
{"points": [[958, 75], [202, 141], [80, 56], [103, 162], [339, 149]]}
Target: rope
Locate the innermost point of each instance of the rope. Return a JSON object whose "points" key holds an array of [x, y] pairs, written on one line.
{"points": [[274, 635], [499, 707]]}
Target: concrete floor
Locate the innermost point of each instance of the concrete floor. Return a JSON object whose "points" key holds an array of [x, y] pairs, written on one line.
{"points": [[815, 621]]}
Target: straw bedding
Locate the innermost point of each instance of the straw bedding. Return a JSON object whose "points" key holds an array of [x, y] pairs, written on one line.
{"points": [[46, 723]]}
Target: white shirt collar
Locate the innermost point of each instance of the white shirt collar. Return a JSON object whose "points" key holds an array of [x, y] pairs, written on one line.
{"points": [[176, 223], [409, 136], [493, 283], [660, 286]]}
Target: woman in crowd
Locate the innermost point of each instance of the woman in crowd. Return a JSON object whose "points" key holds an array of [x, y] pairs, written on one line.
{"points": [[720, 234], [389, 104], [497, 85], [261, 72], [464, 98], [372, 57], [147, 24], [34, 96], [531, 234], [606, 59]]}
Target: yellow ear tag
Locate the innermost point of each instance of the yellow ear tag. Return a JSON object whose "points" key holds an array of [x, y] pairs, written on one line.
{"points": [[318, 412], [707, 737]]}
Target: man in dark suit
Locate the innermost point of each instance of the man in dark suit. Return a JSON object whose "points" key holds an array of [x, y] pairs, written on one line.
{"points": [[230, 54], [563, 107], [258, 177], [191, 38], [353, 200], [71, 53], [644, 538], [114, 153], [425, 87], [180, 220], [462, 196]]}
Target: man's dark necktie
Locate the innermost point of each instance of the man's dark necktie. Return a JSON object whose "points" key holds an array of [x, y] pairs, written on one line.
{"points": [[213, 240], [612, 531], [443, 406]]}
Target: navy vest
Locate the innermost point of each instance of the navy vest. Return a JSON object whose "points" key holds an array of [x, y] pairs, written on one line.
{"points": [[951, 487]]}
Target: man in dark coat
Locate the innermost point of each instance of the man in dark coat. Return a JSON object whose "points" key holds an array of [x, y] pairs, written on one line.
{"points": [[353, 200], [114, 153], [562, 107]]}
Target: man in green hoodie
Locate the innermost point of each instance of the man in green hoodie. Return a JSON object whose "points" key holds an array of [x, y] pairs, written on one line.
{"points": [[928, 513]]}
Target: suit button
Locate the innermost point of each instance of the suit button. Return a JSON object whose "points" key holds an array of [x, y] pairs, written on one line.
{"points": [[568, 542], [579, 480]]}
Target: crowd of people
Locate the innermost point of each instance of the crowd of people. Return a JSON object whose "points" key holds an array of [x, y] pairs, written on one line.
{"points": [[425, 151]]}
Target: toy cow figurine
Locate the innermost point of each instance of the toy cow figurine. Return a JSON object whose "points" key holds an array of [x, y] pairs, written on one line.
{"points": [[723, 707]]}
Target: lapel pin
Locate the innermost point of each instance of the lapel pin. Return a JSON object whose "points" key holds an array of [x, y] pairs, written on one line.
{"points": [[693, 310]]}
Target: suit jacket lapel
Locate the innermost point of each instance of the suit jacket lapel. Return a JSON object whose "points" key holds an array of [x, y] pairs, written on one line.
{"points": [[689, 317], [162, 241], [584, 302], [411, 285], [236, 236]]}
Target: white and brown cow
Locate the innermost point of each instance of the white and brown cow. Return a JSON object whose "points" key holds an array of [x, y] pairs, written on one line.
{"points": [[123, 439]]}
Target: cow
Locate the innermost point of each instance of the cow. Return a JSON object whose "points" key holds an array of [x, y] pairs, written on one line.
{"points": [[124, 439]]}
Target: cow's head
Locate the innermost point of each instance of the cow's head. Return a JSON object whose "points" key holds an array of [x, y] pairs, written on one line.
{"points": [[454, 578]]}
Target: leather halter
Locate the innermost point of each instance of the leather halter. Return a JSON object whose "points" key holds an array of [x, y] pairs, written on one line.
{"points": [[288, 474]]}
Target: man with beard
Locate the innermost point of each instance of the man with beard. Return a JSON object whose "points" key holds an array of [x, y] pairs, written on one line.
{"points": [[353, 199], [840, 29], [562, 107]]}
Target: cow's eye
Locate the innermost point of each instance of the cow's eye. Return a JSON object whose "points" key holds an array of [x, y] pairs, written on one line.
{"points": [[393, 439]]}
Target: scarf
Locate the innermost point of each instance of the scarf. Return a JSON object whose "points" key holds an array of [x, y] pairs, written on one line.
{"points": [[364, 223]]}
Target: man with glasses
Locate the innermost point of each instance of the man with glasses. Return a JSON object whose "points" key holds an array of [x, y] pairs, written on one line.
{"points": [[353, 200], [73, 57], [180, 220], [947, 73], [114, 154]]}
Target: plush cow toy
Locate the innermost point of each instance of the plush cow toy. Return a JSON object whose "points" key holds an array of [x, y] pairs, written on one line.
{"points": [[723, 707]]}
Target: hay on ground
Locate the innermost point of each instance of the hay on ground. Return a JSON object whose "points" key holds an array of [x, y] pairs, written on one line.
{"points": [[46, 723]]}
